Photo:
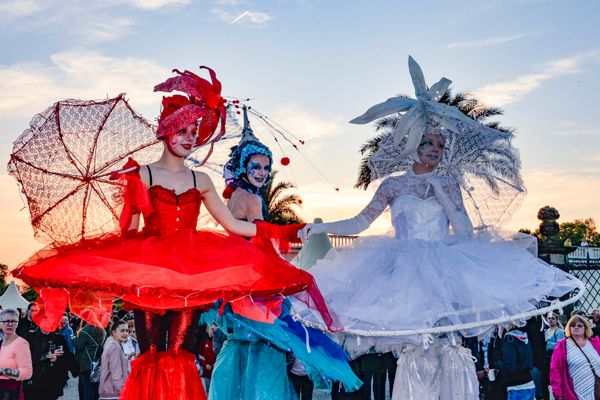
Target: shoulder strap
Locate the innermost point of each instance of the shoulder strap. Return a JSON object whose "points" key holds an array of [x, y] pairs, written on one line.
{"points": [[90, 336], [150, 174], [586, 357], [194, 176]]}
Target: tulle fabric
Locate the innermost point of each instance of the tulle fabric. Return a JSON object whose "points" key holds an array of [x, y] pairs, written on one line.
{"points": [[168, 266], [168, 375], [250, 370], [440, 372], [323, 359], [184, 269], [388, 284]]}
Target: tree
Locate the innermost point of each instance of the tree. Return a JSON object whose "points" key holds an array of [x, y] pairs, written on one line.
{"points": [[465, 103], [579, 229], [3, 275], [28, 293], [575, 230], [281, 205]]}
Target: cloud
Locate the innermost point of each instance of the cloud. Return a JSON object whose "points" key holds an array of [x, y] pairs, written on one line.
{"points": [[20, 8], [574, 194], [572, 128], [31, 87], [228, 2], [111, 29], [487, 42], [156, 4], [93, 20], [305, 124], [248, 18], [503, 93]]}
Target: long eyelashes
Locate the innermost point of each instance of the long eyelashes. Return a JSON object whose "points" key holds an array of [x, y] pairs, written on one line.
{"points": [[254, 168], [431, 144]]}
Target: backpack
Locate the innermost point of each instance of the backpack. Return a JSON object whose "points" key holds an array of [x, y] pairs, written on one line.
{"points": [[94, 363]]}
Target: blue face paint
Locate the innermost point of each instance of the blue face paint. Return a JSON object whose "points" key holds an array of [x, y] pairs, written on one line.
{"points": [[254, 168]]}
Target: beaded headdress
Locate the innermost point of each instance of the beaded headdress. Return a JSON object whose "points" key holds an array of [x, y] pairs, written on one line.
{"points": [[202, 105], [249, 145]]}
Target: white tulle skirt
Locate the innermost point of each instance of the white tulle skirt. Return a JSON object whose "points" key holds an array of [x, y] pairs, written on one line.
{"points": [[440, 372], [388, 291]]}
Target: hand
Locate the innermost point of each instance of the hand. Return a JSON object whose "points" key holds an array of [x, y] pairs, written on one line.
{"points": [[305, 232], [52, 357], [59, 352], [11, 372], [208, 367], [435, 182]]}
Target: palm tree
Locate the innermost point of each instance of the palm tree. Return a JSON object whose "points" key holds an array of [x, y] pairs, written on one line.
{"points": [[281, 205], [465, 103]]}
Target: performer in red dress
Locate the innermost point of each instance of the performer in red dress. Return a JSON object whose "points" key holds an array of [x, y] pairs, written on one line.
{"points": [[169, 270]]}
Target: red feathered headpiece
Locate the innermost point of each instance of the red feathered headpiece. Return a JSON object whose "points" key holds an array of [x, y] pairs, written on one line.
{"points": [[203, 102]]}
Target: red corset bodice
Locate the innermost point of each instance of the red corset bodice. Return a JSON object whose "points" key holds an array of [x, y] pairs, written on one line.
{"points": [[172, 212]]}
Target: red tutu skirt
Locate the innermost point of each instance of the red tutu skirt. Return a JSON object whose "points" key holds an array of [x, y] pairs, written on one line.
{"points": [[170, 375], [183, 269]]}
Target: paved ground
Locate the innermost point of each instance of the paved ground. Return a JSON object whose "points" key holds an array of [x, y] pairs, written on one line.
{"points": [[71, 391]]}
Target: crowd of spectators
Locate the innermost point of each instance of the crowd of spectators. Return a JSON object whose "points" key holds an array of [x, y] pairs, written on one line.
{"points": [[541, 360], [528, 362], [36, 364]]}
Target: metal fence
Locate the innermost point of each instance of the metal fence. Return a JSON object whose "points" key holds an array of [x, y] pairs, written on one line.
{"points": [[584, 263]]}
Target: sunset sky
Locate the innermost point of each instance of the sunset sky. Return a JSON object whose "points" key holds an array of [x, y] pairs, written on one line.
{"points": [[312, 66]]}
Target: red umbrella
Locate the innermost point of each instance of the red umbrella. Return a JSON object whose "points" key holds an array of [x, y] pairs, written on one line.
{"points": [[63, 162]]}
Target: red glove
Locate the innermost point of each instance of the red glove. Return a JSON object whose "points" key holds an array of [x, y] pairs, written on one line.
{"points": [[283, 235]]}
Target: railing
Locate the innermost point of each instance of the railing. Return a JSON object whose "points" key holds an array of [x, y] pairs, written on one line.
{"points": [[592, 253], [341, 241]]}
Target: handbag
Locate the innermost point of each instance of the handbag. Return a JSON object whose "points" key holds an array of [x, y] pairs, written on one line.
{"points": [[596, 377], [94, 363]]}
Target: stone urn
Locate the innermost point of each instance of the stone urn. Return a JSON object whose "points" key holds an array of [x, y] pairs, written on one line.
{"points": [[551, 249]]}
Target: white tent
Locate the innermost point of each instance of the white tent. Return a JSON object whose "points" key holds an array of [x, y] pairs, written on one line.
{"points": [[12, 298]]}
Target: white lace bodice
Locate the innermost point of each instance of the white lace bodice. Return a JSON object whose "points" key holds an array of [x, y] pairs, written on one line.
{"points": [[415, 218], [418, 212]]}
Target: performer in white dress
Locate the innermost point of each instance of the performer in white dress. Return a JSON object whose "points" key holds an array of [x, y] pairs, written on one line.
{"points": [[408, 292]]}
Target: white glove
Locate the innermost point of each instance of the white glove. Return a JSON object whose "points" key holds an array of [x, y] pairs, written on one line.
{"points": [[456, 213], [311, 229]]}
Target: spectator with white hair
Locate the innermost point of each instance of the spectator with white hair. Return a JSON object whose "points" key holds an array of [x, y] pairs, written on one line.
{"points": [[15, 357]]}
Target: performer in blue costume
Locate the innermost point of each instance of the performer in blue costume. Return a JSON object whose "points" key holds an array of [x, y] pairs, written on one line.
{"points": [[252, 361]]}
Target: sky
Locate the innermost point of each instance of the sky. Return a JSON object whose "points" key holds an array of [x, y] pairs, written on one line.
{"points": [[312, 66]]}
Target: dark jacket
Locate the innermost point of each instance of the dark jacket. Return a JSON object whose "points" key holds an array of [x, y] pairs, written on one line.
{"points": [[49, 378], [517, 359], [88, 346]]}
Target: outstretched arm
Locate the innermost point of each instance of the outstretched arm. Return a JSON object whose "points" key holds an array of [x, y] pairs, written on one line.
{"points": [[219, 210], [358, 223]]}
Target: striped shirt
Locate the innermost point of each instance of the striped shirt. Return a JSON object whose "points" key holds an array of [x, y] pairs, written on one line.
{"points": [[580, 371]]}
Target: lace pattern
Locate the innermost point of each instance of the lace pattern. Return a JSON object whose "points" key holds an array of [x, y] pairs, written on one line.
{"points": [[390, 191]]}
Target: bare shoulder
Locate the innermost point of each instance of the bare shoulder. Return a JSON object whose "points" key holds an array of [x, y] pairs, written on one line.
{"points": [[145, 174], [203, 181]]}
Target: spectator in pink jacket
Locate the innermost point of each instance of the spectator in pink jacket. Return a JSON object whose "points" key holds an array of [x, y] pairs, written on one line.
{"points": [[114, 364], [575, 361], [15, 357]]}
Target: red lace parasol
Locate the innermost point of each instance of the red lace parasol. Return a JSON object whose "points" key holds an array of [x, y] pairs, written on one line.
{"points": [[63, 162]]}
